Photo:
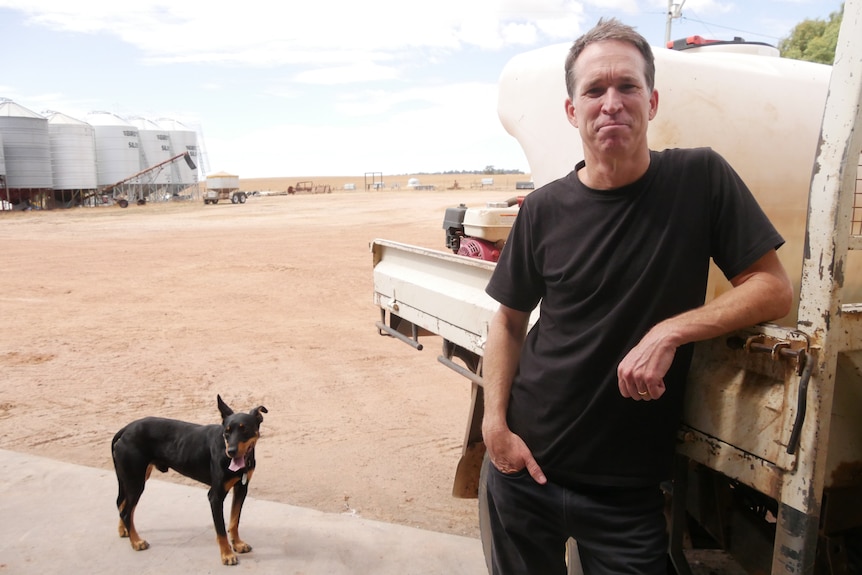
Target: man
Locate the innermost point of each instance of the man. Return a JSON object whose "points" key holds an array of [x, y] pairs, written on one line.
{"points": [[581, 413]]}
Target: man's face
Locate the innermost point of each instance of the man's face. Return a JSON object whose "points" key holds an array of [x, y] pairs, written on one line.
{"points": [[612, 104]]}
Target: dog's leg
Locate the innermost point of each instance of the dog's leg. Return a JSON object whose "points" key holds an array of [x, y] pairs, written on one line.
{"points": [[131, 488], [122, 529], [216, 496], [121, 492], [138, 544], [121, 504], [240, 490]]}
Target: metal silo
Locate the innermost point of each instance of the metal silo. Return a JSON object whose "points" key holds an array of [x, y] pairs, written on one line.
{"points": [[27, 153], [184, 139], [73, 153], [2, 160], [155, 149], [117, 148], [4, 191]]}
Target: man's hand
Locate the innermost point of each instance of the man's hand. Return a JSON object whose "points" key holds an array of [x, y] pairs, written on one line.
{"points": [[761, 292], [641, 372], [510, 454]]}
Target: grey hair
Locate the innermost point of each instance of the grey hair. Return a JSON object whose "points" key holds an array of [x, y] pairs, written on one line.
{"points": [[610, 29]]}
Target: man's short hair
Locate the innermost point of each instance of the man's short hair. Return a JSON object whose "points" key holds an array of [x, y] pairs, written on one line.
{"points": [[610, 29]]}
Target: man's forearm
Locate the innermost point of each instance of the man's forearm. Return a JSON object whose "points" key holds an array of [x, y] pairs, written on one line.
{"points": [[762, 293], [502, 353]]}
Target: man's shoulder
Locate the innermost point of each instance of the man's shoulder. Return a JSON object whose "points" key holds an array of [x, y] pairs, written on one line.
{"points": [[685, 154], [559, 185], [702, 160]]}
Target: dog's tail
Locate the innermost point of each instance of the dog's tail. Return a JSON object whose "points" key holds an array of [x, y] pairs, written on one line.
{"points": [[121, 494], [116, 438], [114, 441]]}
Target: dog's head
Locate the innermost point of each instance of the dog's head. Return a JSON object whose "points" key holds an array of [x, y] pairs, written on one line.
{"points": [[241, 431]]}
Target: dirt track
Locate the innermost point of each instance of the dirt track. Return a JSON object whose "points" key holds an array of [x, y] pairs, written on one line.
{"points": [[112, 314]]}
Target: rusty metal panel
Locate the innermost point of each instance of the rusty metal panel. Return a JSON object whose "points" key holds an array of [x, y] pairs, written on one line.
{"points": [[745, 399]]}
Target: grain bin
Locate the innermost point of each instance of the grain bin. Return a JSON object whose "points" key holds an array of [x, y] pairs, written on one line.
{"points": [[2, 160], [73, 152], [117, 147], [183, 139], [26, 149], [4, 191], [155, 148]]}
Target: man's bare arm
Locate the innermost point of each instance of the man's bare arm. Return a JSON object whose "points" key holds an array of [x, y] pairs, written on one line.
{"points": [[763, 292], [506, 335]]}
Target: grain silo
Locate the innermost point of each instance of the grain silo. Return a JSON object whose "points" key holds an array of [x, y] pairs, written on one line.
{"points": [[73, 158], [117, 148], [183, 139], [155, 149], [4, 191], [27, 155]]}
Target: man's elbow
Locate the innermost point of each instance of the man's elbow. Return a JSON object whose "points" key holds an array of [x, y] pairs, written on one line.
{"points": [[510, 321], [773, 283], [783, 299], [779, 298]]}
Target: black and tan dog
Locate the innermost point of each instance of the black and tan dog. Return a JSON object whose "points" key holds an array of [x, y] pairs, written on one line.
{"points": [[222, 456]]}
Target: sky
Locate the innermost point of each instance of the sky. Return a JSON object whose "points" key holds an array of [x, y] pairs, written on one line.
{"points": [[281, 88]]}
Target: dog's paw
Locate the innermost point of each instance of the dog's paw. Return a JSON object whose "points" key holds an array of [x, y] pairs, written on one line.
{"points": [[229, 559], [122, 530], [140, 545], [241, 547]]}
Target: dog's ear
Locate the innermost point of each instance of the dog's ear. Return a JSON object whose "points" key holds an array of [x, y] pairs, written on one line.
{"points": [[258, 412], [223, 408]]}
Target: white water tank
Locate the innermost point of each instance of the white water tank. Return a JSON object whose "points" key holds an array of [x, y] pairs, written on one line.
{"points": [[761, 113], [26, 147], [117, 147], [73, 152], [155, 148], [183, 139]]}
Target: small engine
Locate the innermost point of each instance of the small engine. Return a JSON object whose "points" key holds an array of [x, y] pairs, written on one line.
{"points": [[480, 232], [480, 249]]}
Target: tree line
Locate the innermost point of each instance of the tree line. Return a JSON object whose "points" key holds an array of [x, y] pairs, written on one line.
{"points": [[813, 40]]}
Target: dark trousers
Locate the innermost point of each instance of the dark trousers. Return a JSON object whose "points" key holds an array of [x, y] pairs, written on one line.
{"points": [[618, 530]]}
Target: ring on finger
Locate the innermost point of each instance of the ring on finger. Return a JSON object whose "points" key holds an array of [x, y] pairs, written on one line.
{"points": [[643, 393]]}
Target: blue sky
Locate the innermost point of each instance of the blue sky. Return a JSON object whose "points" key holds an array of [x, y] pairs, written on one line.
{"points": [[328, 87]]}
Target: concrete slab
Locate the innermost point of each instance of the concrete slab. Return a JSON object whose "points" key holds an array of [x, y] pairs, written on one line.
{"points": [[58, 517]]}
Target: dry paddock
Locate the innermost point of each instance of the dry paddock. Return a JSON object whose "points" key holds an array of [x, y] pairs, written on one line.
{"points": [[111, 314]]}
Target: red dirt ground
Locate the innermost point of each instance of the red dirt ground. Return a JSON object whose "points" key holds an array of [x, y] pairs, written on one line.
{"points": [[112, 314]]}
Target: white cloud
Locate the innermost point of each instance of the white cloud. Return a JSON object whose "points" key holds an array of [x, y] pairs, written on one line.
{"points": [[270, 33], [404, 134], [520, 34], [351, 73], [626, 6], [699, 7]]}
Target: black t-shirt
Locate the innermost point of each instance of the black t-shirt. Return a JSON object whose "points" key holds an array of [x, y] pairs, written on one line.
{"points": [[607, 265]]}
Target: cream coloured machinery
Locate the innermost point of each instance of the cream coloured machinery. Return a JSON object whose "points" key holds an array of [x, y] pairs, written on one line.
{"points": [[770, 453]]}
